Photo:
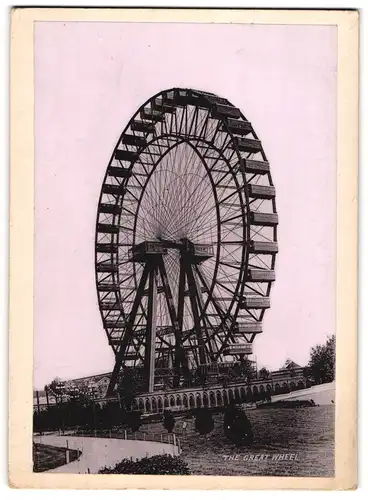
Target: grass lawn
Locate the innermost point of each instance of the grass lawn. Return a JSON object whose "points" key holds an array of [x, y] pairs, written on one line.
{"points": [[47, 457], [305, 433]]}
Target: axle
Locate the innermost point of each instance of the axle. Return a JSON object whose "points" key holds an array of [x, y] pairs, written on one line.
{"points": [[196, 252]]}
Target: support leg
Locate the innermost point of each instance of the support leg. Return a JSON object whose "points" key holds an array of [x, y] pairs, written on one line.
{"points": [[197, 324], [173, 318], [128, 332], [151, 330]]}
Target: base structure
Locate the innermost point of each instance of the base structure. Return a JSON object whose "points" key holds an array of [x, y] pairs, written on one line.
{"points": [[218, 396], [188, 365], [210, 397]]}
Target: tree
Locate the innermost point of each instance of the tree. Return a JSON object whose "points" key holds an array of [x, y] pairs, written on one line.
{"points": [[204, 421], [57, 389], [169, 421], [237, 427], [264, 373], [243, 370], [322, 361], [131, 383], [307, 373], [132, 419], [247, 368]]}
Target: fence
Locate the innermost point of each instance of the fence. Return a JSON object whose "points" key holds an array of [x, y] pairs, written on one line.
{"points": [[80, 453], [126, 434]]}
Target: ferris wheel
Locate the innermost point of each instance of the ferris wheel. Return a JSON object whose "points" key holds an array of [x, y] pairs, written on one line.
{"points": [[186, 238]]}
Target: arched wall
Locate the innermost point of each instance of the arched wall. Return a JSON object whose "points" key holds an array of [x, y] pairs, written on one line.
{"points": [[218, 396]]}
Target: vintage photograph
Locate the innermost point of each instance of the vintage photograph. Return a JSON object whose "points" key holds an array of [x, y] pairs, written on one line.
{"points": [[185, 233], [184, 249]]}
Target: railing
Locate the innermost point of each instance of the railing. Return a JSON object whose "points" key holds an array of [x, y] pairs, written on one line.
{"points": [[168, 438]]}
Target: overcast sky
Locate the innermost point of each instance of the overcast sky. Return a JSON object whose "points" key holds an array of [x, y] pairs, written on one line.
{"points": [[90, 78]]}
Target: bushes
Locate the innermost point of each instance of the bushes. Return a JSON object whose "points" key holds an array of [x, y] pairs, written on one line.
{"points": [[237, 427], [71, 414], [74, 413], [132, 420], [158, 464], [204, 423], [169, 421]]}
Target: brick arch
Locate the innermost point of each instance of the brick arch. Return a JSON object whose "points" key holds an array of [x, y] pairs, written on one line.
{"points": [[231, 395], [178, 400], [292, 386], [301, 384], [225, 397], [236, 395], [198, 400], [159, 404], [148, 405], [166, 402], [154, 405], [255, 390], [262, 389], [140, 404], [219, 398], [191, 401], [185, 401], [172, 401], [243, 394], [212, 399], [205, 399]]}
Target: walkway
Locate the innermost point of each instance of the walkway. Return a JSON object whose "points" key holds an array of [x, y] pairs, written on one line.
{"points": [[323, 394], [100, 452]]}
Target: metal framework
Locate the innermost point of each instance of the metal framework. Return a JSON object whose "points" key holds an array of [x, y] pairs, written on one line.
{"points": [[186, 240]]}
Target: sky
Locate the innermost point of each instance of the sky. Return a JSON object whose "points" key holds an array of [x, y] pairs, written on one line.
{"points": [[90, 78]]}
